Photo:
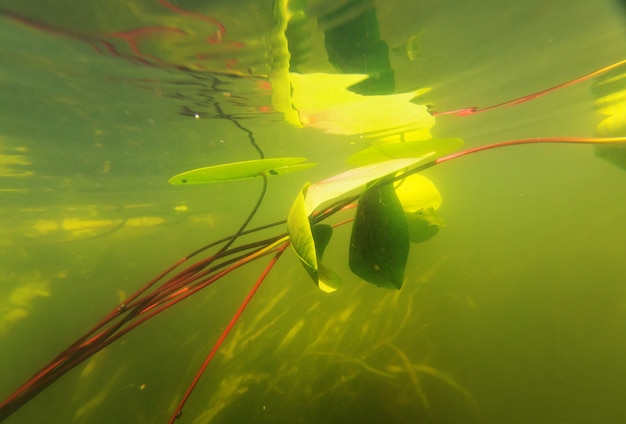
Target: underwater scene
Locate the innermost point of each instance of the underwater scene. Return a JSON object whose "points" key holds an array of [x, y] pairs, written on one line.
{"points": [[292, 211]]}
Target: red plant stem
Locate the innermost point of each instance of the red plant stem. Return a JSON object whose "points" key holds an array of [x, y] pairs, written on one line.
{"points": [[185, 283], [533, 96], [581, 140], [227, 330], [90, 343]]}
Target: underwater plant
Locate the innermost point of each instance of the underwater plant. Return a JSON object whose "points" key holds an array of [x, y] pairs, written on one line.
{"points": [[393, 204]]}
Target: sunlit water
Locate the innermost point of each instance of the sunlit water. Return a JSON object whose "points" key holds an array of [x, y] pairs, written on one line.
{"points": [[515, 312]]}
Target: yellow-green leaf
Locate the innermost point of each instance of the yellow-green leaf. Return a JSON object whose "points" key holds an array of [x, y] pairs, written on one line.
{"points": [[239, 170], [417, 193], [309, 242]]}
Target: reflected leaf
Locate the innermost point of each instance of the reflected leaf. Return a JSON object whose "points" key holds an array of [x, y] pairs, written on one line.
{"points": [[324, 101], [386, 151], [379, 245], [240, 170]]}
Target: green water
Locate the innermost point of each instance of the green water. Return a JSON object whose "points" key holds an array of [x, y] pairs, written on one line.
{"points": [[514, 313]]}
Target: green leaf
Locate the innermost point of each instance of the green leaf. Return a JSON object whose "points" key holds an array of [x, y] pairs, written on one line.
{"points": [[321, 234], [417, 193], [420, 199], [309, 243], [339, 185], [423, 225], [614, 153], [386, 151], [379, 245], [239, 170]]}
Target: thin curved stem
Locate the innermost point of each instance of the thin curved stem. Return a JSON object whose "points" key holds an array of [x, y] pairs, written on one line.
{"points": [[229, 327], [533, 96]]}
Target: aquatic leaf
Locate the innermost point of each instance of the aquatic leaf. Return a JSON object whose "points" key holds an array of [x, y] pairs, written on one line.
{"points": [[379, 245], [416, 193], [309, 243], [324, 101], [291, 168], [385, 151], [420, 199], [339, 185], [327, 279], [423, 225], [615, 154], [237, 170]]}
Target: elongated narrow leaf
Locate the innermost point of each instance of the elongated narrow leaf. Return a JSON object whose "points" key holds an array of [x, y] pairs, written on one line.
{"points": [[236, 171], [379, 245], [386, 151], [339, 185], [300, 233], [309, 243], [280, 170]]}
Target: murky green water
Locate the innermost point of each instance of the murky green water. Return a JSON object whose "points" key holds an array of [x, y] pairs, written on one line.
{"points": [[515, 312]]}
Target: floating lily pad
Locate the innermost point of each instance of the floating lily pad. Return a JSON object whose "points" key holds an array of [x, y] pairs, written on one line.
{"points": [[339, 185], [239, 170], [379, 245]]}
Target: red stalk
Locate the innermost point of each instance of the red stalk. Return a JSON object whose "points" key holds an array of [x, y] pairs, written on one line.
{"points": [[533, 96], [226, 331], [581, 140]]}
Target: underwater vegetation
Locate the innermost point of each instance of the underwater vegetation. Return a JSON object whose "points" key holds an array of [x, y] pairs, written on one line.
{"points": [[383, 201], [389, 205]]}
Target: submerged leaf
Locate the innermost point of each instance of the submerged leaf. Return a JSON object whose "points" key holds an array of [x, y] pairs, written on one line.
{"points": [[300, 233], [423, 225], [379, 245], [309, 243], [239, 170], [615, 154], [420, 199], [417, 193]]}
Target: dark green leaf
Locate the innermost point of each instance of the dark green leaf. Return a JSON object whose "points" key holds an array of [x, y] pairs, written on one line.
{"points": [[379, 246], [420, 227]]}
